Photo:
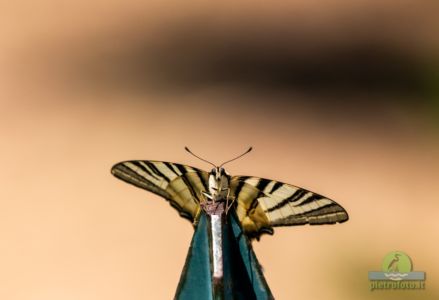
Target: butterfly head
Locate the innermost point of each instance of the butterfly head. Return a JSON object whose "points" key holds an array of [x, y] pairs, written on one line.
{"points": [[219, 179], [218, 183]]}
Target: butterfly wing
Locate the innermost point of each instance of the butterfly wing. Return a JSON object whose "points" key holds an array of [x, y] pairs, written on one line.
{"points": [[181, 185], [263, 204]]}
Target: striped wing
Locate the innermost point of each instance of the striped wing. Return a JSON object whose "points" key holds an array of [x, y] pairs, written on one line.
{"points": [[181, 185], [263, 204]]}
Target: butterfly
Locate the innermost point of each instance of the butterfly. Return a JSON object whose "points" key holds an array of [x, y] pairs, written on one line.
{"points": [[260, 204]]}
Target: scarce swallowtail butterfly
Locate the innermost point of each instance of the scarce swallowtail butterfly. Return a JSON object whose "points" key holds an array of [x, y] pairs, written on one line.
{"points": [[260, 204]]}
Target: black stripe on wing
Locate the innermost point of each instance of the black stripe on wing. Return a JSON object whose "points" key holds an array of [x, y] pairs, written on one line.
{"points": [[329, 214], [291, 199]]}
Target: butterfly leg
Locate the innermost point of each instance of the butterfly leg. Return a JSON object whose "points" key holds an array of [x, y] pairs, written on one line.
{"points": [[206, 195], [202, 198], [228, 206]]}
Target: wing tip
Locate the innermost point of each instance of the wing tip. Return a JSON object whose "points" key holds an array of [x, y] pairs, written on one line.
{"points": [[113, 169], [116, 167]]}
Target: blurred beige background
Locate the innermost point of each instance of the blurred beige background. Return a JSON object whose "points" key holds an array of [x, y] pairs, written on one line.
{"points": [[337, 97]]}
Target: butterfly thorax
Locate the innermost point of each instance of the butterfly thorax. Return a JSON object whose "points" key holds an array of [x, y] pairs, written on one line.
{"points": [[216, 199], [219, 182]]}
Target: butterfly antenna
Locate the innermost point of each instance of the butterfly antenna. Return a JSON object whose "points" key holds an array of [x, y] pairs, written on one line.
{"points": [[249, 149], [187, 149]]}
